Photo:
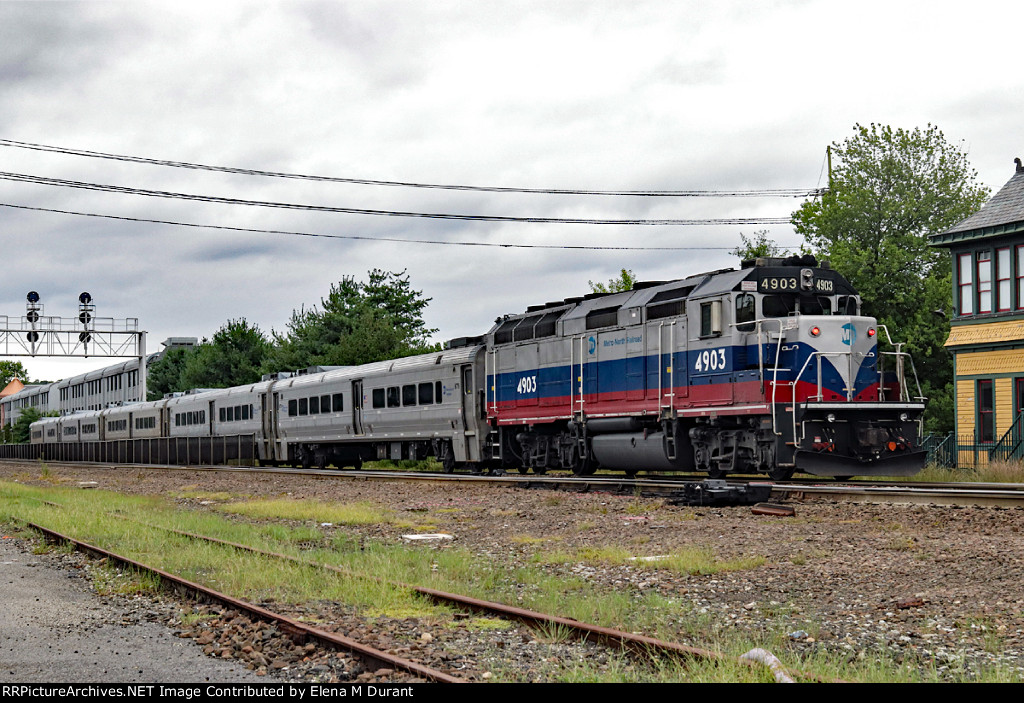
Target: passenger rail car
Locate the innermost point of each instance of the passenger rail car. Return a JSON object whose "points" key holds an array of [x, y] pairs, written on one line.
{"points": [[771, 368]]}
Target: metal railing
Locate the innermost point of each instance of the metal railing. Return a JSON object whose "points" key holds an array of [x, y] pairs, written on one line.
{"points": [[1011, 445], [204, 451]]}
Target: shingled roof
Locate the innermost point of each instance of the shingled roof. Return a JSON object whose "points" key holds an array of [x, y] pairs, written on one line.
{"points": [[1003, 214]]}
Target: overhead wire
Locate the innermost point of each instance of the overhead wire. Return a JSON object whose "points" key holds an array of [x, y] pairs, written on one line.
{"points": [[125, 190], [735, 193], [439, 242]]}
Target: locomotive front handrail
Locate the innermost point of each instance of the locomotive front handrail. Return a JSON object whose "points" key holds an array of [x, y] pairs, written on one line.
{"points": [[820, 395]]}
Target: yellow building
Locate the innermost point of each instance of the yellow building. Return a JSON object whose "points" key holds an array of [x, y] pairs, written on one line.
{"points": [[987, 329]]}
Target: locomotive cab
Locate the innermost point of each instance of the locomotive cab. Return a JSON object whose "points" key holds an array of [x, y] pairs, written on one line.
{"points": [[842, 404]]}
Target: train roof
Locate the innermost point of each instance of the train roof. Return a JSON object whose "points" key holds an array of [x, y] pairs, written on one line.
{"points": [[622, 307]]}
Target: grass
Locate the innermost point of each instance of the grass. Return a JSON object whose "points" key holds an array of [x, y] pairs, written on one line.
{"points": [[993, 472], [308, 510], [692, 561]]}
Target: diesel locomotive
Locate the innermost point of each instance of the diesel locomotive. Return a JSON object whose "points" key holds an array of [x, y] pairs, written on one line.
{"points": [[770, 368]]}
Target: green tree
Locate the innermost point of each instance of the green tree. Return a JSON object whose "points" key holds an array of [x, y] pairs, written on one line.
{"points": [[625, 281], [890, 190], [357, 323], [164, 376], [234, 357], [10, 370], [21, 431], [757, 246]]}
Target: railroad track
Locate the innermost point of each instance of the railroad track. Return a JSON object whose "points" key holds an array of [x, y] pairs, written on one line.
{"points": [[641, 645], [964, 494], [299, 631]]}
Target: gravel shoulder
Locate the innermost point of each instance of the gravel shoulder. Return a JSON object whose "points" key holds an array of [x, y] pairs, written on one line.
{"points": [[940, 586]]}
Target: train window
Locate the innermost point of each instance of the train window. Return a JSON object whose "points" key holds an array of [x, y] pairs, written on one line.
{"points": [[777, 305], [711, 318], [231, 414], [223, 414], [246, 412], [745, 312], [815, 306], [293, 408], [337, 402], [202, 417], [378, 397], [409, 394], [303, 406], [437, 391], [393, 397], [847, 305], [426, 394], [325, 403], [314, 405]]}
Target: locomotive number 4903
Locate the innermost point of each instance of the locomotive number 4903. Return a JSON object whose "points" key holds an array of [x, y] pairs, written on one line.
{"points": [[527, 384], [710, 360]]}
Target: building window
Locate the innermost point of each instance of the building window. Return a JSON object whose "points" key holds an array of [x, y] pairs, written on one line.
{"points": [[1020, 276], [986, 411], [1018, 396], [1004, 296], [984, 282], [965, 282]]}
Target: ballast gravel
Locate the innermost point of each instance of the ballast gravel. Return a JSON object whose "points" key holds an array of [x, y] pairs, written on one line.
{"points": [[938, 588]]}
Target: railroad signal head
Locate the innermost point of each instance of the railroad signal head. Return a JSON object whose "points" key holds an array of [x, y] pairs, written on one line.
{"points": [[32, 297], [85, 298]]}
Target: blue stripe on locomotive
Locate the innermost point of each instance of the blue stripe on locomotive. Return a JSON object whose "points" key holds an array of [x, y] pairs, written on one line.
{"points": [[639, 373]]}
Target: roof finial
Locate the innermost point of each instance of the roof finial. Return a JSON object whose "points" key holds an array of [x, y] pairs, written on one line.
{"points": [[1020, 168]]}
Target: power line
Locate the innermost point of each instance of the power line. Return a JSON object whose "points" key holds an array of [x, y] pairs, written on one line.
{"points": [[753, 193], [439, 242], [124, 190]]}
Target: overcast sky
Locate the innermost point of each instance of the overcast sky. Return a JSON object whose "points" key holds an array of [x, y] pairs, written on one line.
{"points": [[556, 95]]}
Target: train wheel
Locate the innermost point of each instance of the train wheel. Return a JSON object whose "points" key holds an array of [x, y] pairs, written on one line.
{"points": [[781, 473], [523, 469], [584, 468], [631, 473], [716, 473], [841, 478], [540, 470]]}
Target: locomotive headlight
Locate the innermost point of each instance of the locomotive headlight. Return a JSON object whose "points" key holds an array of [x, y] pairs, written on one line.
{"points": [[831, 417], [815, 331], [904, 417]]}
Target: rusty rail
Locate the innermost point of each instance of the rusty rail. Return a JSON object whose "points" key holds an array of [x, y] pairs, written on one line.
{"points": [[298, 630]]}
